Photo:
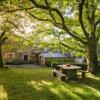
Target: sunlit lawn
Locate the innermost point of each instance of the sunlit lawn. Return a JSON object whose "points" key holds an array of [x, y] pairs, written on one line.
{"points": [[38, 84]]}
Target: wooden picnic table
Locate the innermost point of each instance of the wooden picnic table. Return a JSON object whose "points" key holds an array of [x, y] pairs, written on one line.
{"points": [[69, 71]]}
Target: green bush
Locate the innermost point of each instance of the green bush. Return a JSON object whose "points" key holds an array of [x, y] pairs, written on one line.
{"points": [[15, 62], [54, 64], [57, 61], [48, 63]]}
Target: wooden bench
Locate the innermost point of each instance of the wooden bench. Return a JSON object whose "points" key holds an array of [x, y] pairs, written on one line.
{"points": [[83, 73], [61, 75]]}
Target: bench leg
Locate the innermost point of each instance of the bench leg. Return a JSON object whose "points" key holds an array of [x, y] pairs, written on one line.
{"points": [[83, 74], [54, 74]]}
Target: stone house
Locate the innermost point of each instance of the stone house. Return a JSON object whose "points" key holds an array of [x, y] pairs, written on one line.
{"points": [[23, 56]]}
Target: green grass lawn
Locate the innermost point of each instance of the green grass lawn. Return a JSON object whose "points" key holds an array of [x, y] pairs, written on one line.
{"points": [[38, 84]]}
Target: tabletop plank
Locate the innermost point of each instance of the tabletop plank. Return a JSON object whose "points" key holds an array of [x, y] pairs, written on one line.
{"points": [[69, 67]]}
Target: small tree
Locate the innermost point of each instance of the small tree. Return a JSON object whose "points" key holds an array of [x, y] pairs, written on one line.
{"points": [[3, 38]]}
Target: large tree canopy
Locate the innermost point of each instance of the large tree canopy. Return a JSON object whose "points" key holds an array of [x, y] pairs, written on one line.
{"points": [[87, 18]]}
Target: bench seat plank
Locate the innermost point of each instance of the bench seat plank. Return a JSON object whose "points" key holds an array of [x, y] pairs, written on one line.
{"points": [[83, 71], [61, 75]]}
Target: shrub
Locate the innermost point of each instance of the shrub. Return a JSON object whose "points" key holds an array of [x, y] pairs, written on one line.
{"points": [[48, 63], [58, 61]]}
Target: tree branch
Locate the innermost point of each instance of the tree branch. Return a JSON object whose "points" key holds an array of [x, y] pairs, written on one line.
{"points": [[41, 19], [52, 16], [2, 34], [45, 7], [70, 32], [96, 23], [64, 26], [2, 38], [15, 25], [95, 26], [87, 10], [67, 46], [81, 20], [10, 11]]}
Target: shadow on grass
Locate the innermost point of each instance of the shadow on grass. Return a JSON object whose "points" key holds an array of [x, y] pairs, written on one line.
{"points": [[38, 84]]}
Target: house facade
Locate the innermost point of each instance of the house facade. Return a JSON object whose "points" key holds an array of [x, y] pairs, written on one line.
{"points": [[23, 56], [35, 56]]}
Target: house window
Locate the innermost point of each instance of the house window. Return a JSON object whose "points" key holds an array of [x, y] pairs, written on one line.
{"points": [[25, 57], [10, 56]]}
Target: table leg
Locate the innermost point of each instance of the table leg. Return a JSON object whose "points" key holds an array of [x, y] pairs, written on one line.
{"points": [[72, 74]]}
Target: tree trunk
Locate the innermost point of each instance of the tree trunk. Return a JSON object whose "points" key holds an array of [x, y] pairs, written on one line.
{"points": [[92, 59], [1, 58]]}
